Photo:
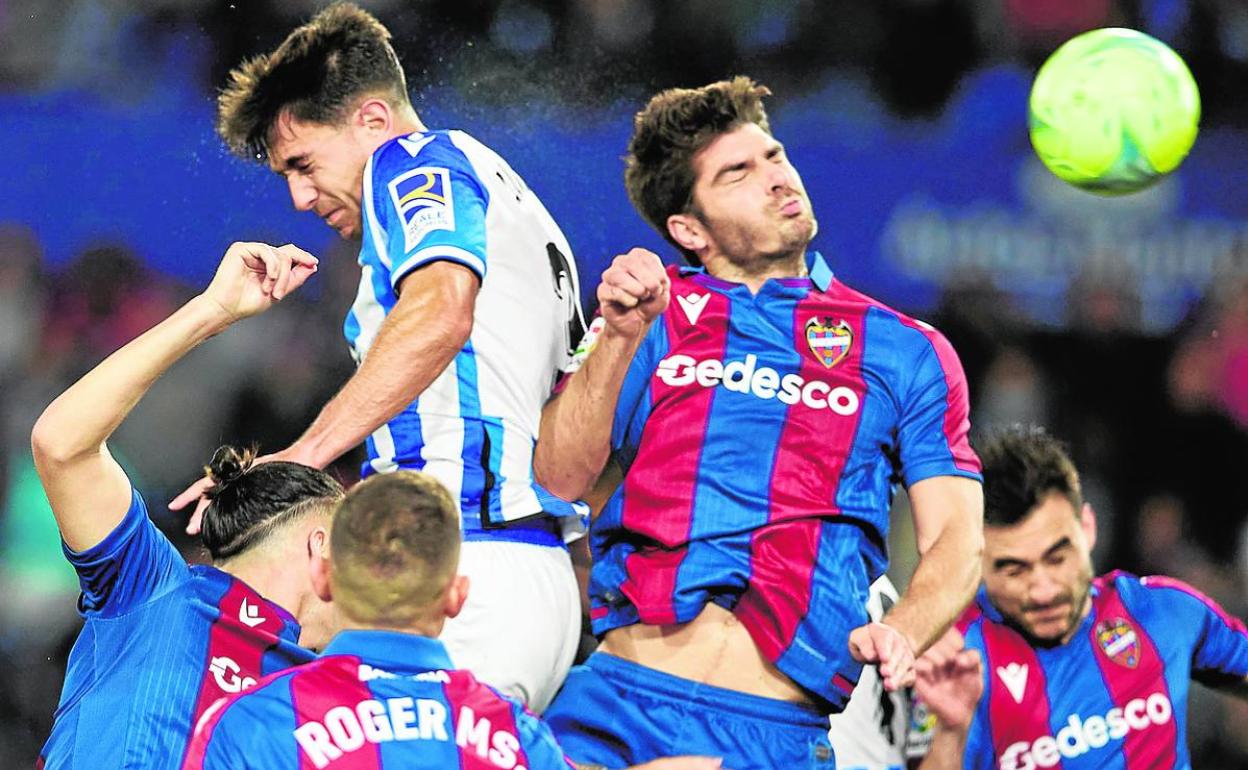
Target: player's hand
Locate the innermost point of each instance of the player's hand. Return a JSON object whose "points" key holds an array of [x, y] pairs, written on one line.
{"points": [[634, 290], [950, 681], [887, 647], [253, 277], [196, 492]]}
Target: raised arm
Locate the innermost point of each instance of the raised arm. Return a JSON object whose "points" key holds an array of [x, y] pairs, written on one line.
{"points": [[88, 491], [948, 519], [575, 437], [427, 328]]}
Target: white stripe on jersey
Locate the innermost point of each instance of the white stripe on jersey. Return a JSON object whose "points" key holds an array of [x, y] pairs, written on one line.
{"points": [[383, 442], [368, 314], [434, 252], [442, 430], [517, 465]]}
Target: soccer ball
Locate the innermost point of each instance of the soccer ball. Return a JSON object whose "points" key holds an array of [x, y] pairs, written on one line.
{"points": [[1113, 110]]}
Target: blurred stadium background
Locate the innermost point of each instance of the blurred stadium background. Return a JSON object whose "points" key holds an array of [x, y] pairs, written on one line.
{"points": [[1122, 324]]}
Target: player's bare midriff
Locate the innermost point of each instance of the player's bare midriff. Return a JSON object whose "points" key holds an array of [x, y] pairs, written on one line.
{"points": [[713, 648]]}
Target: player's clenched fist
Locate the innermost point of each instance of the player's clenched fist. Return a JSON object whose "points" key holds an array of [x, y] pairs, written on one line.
{"points": [[634, 290], [254, 276]]}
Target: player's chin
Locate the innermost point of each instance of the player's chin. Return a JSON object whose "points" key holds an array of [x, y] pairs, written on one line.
{"points": [[798, 231], [1049, 631]]}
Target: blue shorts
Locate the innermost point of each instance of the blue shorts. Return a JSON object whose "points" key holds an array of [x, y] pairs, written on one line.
{"points": [[616, 713]]}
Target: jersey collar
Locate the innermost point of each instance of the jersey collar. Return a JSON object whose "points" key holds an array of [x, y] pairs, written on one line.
{"points": [[819, 274], [392, 651]]}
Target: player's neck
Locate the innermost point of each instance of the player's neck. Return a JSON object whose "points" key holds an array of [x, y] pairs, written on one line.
{"points": [[271, 578], [429, 623], [1083, 615], [754, 274], [407, 123]]}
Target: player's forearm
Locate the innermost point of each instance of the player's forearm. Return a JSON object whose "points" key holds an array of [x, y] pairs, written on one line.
{"points": [[943, 584], [413, 347], [82, 418], [575, 438], [947, 750]]}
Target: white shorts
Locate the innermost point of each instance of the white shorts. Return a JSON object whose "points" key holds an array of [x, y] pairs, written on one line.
{"points": [[519, 629]]}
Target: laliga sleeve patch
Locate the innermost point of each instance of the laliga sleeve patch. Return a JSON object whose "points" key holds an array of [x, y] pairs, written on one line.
{"points": [[587, 345], [422, 196]]}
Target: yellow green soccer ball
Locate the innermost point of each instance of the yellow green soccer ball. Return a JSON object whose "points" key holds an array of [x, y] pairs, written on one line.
{"points": [[1113, 110]]}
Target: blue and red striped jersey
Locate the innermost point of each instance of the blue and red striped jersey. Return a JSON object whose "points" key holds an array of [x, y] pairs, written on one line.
{"points": [[161, 641], [745, 425], [376, 699], [1112, 698]]}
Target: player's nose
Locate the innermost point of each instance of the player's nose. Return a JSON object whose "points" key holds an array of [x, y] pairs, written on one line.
{"points": [[302, 192], [1044, 589]]}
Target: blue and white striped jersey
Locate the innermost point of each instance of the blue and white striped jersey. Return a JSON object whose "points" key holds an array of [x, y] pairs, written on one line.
{"points": [[442, 195]]}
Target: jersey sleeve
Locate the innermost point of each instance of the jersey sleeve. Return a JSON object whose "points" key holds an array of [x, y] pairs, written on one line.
{"points": [[1220, 656], [426, 204], [933, 433], [132, 564]]}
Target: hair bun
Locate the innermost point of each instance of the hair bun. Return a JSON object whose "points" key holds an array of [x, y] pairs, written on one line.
{"points": [[228, 464]]}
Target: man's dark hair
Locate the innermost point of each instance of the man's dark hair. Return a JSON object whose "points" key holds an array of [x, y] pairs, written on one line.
{"points": [[318, 73], [1022, 466], [250, 502], [674, 126]]}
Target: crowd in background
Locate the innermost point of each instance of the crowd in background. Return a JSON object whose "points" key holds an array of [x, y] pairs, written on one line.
{"points": [[1158, 424]]}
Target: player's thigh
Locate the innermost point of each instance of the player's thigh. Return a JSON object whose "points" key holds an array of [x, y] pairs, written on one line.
{"points": [[520, 626]]}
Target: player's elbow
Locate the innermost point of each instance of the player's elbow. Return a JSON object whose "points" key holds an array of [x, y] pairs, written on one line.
{"points": [[51, 441], [562, 479]]}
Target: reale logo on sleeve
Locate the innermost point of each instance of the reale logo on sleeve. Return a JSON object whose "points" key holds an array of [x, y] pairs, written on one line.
{"points": [[422, 196]]}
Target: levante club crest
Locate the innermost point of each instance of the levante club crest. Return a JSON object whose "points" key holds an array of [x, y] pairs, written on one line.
{"points": [[829, 340], [1119, 642]]}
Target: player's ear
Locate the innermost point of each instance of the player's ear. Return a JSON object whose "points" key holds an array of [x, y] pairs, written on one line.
{"points": [[687, 230], [1087, 522], [455, 596], [319, 563], [374, 116]]}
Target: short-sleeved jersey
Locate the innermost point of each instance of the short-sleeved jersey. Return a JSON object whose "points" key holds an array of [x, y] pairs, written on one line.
{"points": [[761, 436], [161, 642], [377, 699], [1114, 697], [443, 196]]}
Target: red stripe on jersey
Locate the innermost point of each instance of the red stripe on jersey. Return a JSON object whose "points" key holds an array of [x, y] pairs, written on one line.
{"points": [[1133, 671], [651, 583], [1018, 701], [807, 467], [814, 445], [484, 725], [197, 749], [660, 486], [968, 616], [323, 685], [957, 427], [782, 560], [245, 627]]}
